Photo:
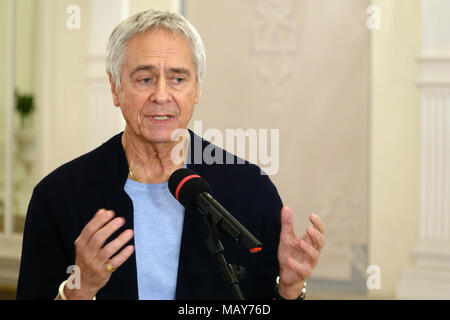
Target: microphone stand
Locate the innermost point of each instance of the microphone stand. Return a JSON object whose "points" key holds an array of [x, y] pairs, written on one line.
{"points": [[227, 270]]}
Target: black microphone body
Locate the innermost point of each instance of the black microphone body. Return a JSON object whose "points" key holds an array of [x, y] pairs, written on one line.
{"points": [[228, 224]]}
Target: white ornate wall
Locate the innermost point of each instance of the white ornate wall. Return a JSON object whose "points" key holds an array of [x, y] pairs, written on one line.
{"points": [[429, 277], [301, 67]]}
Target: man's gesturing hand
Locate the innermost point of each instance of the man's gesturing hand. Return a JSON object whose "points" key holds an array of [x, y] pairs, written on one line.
{"points": [[92, 255], [298, 256]]}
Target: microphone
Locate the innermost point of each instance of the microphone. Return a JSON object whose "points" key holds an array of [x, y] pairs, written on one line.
{"points": [[194, 192]]}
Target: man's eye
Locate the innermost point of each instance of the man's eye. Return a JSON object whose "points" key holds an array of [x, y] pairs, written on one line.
{"points": [[178, 80], [145, 80]]}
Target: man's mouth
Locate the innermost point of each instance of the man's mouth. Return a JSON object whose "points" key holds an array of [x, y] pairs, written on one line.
{"points": [[162, 117]]}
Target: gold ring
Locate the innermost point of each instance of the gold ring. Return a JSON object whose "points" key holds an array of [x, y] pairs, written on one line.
{"points": [[109, 267]]}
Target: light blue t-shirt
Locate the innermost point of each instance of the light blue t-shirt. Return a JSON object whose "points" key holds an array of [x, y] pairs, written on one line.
{"points": [[158, 224]]}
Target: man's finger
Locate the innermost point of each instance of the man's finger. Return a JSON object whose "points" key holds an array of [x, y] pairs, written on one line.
{"points": [[111, 248], [98, 239], [317, 222], [303, 270], [311, 252], [122, 256], [287, 220], [317, 237], [306, 238], [98, 221]]}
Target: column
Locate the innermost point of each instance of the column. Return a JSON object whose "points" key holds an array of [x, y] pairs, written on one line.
{"points": [[104, 119], [429, 278]]}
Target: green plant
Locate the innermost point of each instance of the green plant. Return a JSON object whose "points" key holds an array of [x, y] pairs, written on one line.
{"points": [[24, 106]]}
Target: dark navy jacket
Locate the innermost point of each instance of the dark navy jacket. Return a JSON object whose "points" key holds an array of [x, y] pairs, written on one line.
{"points": [[66, 200]]}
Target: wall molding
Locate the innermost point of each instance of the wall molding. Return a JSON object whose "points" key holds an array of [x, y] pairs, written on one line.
{"points": [[435, 70], [432, 254], [429, 278]]}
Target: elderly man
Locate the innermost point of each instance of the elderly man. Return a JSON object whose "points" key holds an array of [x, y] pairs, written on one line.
{"points": [[109, 218]]}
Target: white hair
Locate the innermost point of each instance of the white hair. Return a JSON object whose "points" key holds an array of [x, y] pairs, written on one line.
{"points": [[147, 20]]}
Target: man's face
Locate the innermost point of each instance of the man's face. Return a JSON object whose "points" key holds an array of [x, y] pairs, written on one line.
{"points": [[158, 85]]}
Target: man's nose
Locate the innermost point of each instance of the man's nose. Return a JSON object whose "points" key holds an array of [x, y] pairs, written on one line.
{"points": [[161, 94]]}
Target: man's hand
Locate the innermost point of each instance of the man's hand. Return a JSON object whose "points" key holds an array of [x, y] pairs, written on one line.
{"points": [[298, 256], [92, 256]]}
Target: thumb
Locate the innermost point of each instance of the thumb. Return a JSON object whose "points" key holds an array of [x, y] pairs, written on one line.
{"points": [[287, 220]]}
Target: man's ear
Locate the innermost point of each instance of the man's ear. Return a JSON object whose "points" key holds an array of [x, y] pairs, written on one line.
{"points": [[198, 93], [114, 93]]}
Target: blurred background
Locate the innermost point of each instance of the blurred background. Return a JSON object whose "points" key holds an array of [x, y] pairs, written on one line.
{"points": [[359, 90]]}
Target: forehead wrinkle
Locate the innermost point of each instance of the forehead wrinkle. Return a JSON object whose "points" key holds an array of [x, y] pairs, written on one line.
{"points": [[159, 54], [153, 47], [154, 52], [142, 63], [140, 52], [151, 68]]}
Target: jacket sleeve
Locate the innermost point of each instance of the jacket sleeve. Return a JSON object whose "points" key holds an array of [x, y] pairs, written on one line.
{"points": [[43, 263], [269, 204]]}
